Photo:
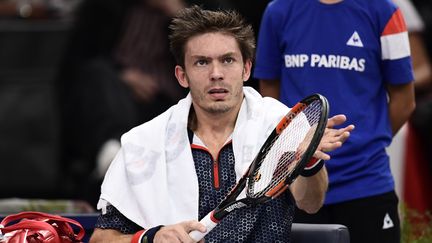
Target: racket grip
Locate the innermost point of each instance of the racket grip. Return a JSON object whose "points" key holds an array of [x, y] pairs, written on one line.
{"points": [[208, 222]]}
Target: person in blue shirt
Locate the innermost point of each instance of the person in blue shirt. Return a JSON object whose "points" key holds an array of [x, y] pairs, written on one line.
{"points": [[356, 53]]}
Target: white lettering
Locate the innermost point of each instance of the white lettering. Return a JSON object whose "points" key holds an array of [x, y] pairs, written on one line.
{"points": [[325, 61], [332, 61], [304, 58], [235, 206], [314, 59], [344, 64], [287, 61], [353, 64], [362, 63], [297, 60]]}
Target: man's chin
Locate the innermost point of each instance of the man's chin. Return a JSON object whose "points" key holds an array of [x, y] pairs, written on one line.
{"points": [[218, 108]]}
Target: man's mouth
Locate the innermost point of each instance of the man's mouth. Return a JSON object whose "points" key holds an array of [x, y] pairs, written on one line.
{"points": [[218, 91]]}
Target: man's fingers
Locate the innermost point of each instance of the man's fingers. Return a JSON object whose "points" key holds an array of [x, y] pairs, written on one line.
{"points": [[327, 147], [333, 138], [321, 155], [340, 137], [190, 226], [194, 225], [336, 120], [349, 128], [332, 135], [179, 232]]}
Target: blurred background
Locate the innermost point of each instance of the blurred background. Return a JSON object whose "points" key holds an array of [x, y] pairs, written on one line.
{"points": [[67, 69]]}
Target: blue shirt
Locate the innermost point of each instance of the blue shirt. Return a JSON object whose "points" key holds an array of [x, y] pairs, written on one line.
{"points": [[346, 52]]}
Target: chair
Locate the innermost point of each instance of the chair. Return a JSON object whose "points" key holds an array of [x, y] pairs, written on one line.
{"points": [[322, 233]]}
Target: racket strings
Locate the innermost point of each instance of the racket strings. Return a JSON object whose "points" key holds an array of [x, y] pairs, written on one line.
{"points": [[286, 151]]}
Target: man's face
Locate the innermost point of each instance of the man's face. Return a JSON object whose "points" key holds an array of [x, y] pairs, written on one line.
{"points": [[214, 72]]}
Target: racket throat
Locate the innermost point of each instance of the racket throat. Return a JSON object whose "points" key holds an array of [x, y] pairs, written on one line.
{"points": [[278, 191]]}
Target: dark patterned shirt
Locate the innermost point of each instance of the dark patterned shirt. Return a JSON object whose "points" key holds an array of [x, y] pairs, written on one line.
{"points": [[269, 222]]}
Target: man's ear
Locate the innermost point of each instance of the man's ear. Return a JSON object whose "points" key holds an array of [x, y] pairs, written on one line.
{"points": [[181, 76], [247, 70]]}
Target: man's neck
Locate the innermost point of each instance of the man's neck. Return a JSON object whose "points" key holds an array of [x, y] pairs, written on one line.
{"points": [[213, 129]]}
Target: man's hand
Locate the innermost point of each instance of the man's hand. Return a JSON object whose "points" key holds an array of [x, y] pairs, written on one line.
{"points": [[179, 232], [333, 138]]}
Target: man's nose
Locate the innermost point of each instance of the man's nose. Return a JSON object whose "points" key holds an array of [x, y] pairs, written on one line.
{"points": [[216, 72]]}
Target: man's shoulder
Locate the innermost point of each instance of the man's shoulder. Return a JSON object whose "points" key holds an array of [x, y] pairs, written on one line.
{"points": [[155, 128], [281, 6], [263, 103], [147, 128], [382, 7]]}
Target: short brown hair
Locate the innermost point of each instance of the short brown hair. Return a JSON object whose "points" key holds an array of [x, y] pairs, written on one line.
{"points": [[193, 21]]}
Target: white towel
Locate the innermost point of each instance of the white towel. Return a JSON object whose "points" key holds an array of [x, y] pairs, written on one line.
{"points": [[152, 180]]}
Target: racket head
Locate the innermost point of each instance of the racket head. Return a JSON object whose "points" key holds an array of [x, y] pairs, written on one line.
{"points": [[288, 149]]}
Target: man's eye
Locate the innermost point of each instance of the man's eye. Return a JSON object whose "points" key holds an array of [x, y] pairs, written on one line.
{"points": [[228, 60], [201, 62]]}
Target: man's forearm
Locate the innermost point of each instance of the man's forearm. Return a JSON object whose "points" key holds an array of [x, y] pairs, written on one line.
{"points": [[109, 236], [309, 192], [401, 104]]}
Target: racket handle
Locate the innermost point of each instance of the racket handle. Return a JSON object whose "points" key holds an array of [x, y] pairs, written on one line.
{"points": [[208, 222]]}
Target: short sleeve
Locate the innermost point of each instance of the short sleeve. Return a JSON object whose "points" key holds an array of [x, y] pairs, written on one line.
{"points": [[113, 219]]}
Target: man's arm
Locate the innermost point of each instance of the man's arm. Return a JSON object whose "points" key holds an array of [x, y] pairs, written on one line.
{"points": [[170, 233], [421, 63], [109, 236], [270, 88], [309, 192], [401, 104]]}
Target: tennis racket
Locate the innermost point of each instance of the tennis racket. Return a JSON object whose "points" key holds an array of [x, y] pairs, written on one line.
{"points": [[280, 160]]}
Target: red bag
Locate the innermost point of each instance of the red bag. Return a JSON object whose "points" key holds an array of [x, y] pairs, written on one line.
{"points": [[36, 227]]}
